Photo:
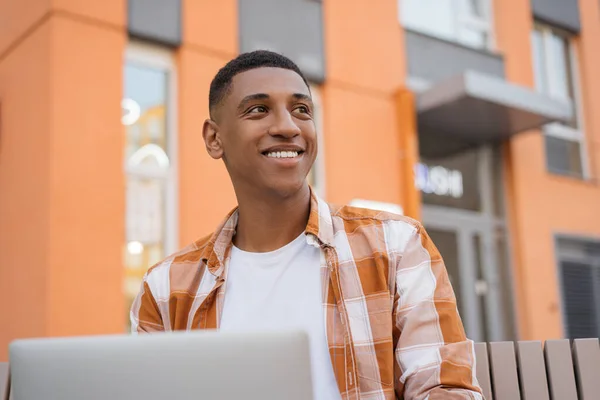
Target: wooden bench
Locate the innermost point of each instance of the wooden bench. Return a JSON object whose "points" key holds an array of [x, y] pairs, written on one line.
{"points": [[3, 379], [523, 370], [528, 371]]}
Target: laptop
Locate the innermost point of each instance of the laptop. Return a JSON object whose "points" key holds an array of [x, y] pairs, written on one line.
{"points": [[181, 365]]}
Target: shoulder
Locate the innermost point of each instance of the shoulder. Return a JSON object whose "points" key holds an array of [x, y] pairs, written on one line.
{"points": [[369, 216], [188, 256], [384, 228]]}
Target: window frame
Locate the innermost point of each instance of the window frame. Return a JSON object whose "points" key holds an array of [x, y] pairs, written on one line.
{"points": [[460, 20], [556, 129], [155, 56]]}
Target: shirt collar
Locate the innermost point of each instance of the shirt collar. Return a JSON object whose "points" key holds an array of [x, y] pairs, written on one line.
{"points": [[319, 226], [320, 223]]}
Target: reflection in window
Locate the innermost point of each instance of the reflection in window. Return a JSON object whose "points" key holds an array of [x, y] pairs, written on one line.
{"points": [[539, 59], [463, 21], [552, 55], [473, 8], [553, 61], [147, 168], [430, 16]]}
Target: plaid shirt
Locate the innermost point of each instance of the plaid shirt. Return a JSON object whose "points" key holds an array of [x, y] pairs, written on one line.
{"points": [[392, 324]]}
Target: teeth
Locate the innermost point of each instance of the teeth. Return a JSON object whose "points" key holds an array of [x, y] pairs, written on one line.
{"points": [[282, 154]]}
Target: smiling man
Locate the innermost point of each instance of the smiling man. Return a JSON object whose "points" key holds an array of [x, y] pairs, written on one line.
{"points": [[369, 288]]}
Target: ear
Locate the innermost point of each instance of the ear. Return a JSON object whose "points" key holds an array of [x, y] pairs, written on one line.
{"points": [[212, 139]]}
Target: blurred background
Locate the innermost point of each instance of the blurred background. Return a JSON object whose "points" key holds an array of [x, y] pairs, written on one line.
{"points": [[477, 117]]}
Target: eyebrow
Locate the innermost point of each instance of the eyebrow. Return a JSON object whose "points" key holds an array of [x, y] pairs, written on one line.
{"points": [[264, 96], [301, 96], [249, 98], [307, 98]]}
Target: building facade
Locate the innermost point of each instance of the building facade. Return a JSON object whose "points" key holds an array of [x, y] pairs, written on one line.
{"points": [[474, 116]]}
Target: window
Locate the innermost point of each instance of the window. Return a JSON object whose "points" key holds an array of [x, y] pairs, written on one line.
{"points": [[464, 21], [150, 168], [579, 263], [316, 176], [555, 75]]}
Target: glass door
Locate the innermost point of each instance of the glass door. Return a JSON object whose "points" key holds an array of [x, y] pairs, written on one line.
{"points": [[463, 211], [470, 256]]}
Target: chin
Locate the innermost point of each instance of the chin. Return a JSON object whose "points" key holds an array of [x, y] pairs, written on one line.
{"points": [[286, 188]]}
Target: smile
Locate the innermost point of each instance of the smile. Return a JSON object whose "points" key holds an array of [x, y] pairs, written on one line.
{"points": [[283, 154]]}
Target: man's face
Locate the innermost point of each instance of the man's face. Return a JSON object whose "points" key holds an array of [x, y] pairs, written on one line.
{"points": [[267, 130]]}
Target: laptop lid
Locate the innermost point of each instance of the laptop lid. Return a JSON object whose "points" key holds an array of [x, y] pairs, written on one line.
{"points": [[182, 365]]}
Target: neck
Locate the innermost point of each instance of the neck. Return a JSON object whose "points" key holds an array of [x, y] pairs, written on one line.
{"points": [[269, 222]]}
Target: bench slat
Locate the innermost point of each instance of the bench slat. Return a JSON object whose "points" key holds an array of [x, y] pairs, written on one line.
{"points": [[532, 370], [504, 371], [3, 379], [483, 369], [559, 365], [586, 354]]}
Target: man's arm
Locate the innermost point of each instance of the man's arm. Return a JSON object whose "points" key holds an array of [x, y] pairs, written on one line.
{"points": [[434, 359], [145, 316]]}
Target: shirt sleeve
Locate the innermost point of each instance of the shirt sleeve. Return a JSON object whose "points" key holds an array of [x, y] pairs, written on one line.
{"points": [[145, 316], [434, 359]]}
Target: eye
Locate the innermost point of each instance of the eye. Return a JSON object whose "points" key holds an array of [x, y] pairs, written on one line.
{"points": [[302, 109], [257, 110]]}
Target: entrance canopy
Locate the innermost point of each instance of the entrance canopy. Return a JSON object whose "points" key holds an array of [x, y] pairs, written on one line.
{"points": [[474, 108]]}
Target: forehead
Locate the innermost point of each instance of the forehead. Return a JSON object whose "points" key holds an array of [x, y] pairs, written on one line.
{"points": [[271, 81]]}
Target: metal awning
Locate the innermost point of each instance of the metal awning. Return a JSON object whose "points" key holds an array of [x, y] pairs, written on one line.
{"points": [[474, 108]]}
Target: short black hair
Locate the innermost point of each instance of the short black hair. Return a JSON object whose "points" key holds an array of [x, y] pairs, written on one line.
{"points": [[221, 83]]}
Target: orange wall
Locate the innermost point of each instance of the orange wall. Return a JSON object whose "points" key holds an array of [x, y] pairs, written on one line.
{"points": [[24, 187], [542, 205], [365, 69], [209, 41], [87, 198], [589, 63], [110, 14], [25, 16], [61, 178]]}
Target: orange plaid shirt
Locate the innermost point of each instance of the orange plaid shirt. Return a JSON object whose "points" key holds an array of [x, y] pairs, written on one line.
{"points": [[392, 324]]}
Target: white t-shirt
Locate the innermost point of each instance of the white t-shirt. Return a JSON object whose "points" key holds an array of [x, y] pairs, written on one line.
{"points": [[278, 290]]}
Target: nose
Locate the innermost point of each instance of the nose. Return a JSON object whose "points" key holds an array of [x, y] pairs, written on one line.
{"points": [[284, 125]]}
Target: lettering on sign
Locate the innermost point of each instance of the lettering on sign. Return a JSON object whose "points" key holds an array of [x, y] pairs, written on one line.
{"points": [[438, 180]]}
